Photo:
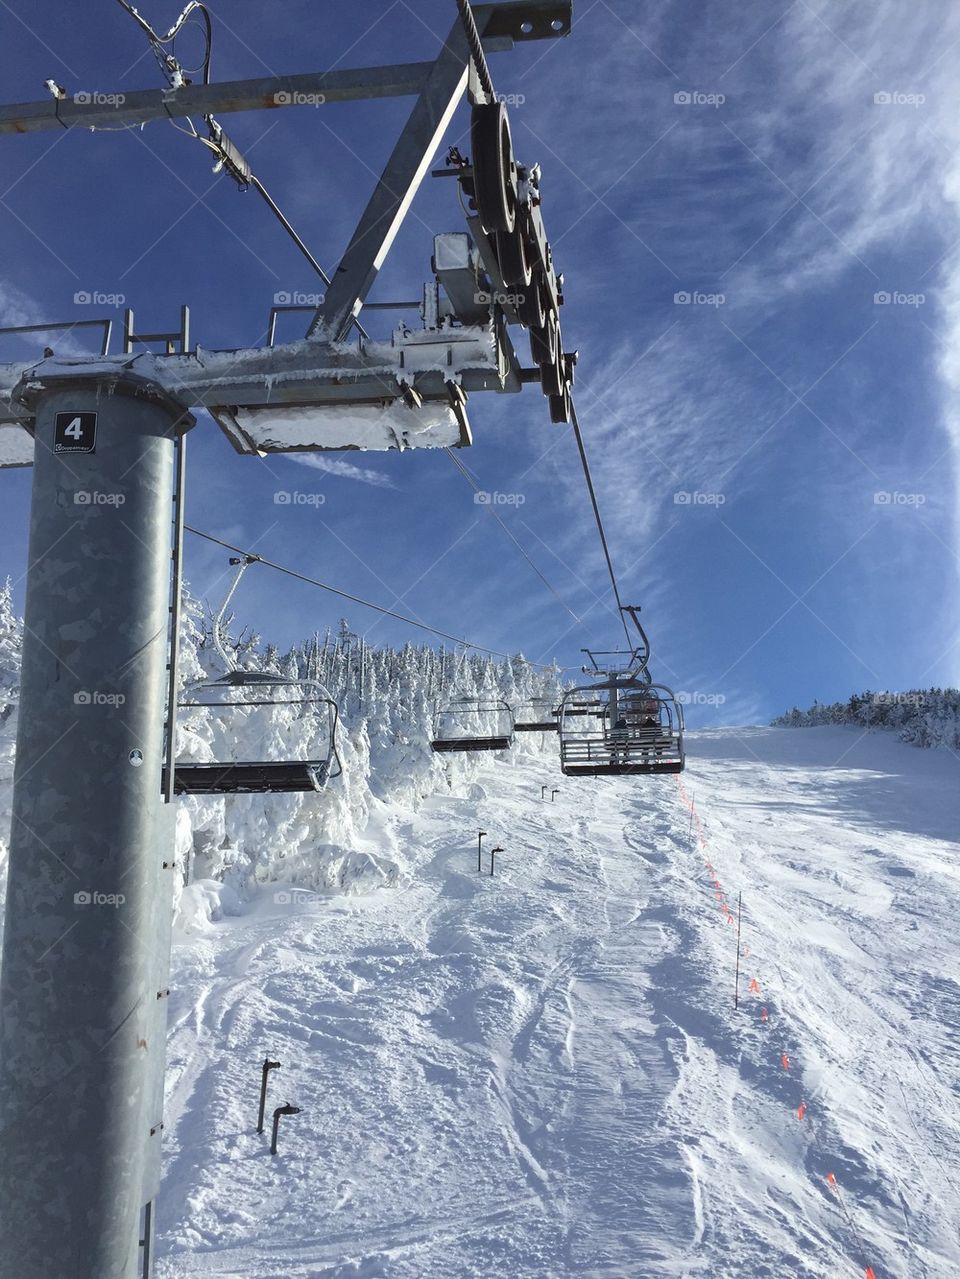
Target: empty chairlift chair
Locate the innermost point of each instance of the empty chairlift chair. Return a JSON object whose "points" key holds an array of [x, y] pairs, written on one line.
{"points": [[538, 715], [304, 762], [472, 724], [308, 763]]}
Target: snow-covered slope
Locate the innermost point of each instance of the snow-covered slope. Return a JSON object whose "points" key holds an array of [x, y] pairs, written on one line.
{"points": [[542, 1073]]}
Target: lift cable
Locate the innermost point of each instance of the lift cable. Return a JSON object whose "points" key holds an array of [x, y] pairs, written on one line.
{"points": [[476, 48], [476, 488], [355, 599], [596, 512]]}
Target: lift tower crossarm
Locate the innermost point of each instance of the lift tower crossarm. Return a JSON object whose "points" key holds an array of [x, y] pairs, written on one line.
{"points": [[497, 25], [272, 93]]}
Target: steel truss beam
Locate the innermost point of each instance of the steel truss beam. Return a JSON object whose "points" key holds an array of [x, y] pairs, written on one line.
{"points": [[273, 93], [417, 145]]}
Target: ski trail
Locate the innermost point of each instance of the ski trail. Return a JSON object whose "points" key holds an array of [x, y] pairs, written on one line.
{"points": [[541, 1074]]}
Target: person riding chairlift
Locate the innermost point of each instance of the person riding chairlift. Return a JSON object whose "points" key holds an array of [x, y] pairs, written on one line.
{"points": [[620, 740]]}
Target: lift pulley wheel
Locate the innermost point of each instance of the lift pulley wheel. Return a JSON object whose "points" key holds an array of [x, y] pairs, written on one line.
{"points": [[533, 309], [514, 259], [553, 375], [561, 408], [494, 167], [543, 342]]}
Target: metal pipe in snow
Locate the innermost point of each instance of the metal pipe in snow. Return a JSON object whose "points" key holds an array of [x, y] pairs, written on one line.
{"points": [[277, 1114]]}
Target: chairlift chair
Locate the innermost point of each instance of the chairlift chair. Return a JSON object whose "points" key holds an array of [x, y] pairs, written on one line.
{"points": [[540, 715], [245, 690], [468, 724], [638, 731], [320, 761]]}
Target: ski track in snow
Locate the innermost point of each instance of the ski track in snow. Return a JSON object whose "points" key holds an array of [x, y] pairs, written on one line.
{"points": [[542, 1074]]}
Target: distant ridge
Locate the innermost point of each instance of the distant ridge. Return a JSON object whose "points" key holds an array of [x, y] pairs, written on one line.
{"points": [[923, 717]]}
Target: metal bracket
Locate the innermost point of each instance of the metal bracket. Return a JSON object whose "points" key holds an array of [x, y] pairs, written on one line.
{"points": [[527, 20], [132, 339]]}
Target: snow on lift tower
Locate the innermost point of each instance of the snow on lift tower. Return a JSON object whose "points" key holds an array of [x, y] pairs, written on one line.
{"points": [[623, 725], [102, 604], [247, 691]]}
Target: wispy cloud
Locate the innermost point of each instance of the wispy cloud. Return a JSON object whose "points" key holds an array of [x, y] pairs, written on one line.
{"points": [[345, 470], [827, 176]]}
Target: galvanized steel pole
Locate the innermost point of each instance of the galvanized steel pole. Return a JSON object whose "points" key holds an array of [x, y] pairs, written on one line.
{"points": [[86, 936]]}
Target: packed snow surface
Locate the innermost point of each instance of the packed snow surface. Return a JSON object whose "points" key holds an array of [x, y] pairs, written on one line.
{"points": [[543, 1074]]}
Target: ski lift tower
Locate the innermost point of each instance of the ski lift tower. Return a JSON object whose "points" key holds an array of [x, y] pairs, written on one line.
{"points": [[83, 988]]}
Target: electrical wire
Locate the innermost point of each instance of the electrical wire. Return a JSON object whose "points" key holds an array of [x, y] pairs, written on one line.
{"points": [[177, 76], [596, 512], [354, 599], [476, 488], [157, 41]]}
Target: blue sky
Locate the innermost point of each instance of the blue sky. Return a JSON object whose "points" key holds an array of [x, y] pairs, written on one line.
{"points": [[780, 164]]}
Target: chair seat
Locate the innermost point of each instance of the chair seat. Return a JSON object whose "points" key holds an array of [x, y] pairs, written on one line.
{"points": [[450, 745], [622, 770], [282, 777]]}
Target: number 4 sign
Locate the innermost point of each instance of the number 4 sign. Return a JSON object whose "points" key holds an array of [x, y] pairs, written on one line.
{"points": [[75, 433]]}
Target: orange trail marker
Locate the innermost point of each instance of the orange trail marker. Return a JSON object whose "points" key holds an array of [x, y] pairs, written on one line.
{"points": [[754, 986], [871, 1273], [801, 1110], [786, 1061], [764, 1015], [831, 1180]]}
